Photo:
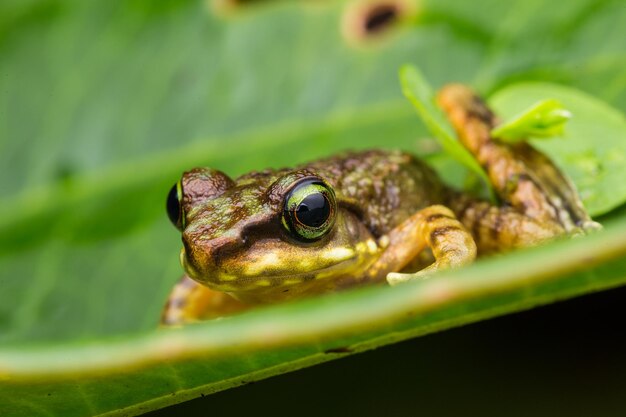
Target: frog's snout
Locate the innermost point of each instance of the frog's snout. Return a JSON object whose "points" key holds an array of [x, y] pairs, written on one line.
{"points": [[204, 258]]}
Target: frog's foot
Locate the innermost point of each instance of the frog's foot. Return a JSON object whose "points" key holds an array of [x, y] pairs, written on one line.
{"points": [[436, 227], [191, 302], [498, 229], [524, 178]]}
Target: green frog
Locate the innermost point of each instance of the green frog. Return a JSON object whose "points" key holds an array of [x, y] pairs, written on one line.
{"points": [[359, 218]]}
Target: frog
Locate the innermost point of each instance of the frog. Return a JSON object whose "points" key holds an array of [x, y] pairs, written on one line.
{"points": [[360, 218]]}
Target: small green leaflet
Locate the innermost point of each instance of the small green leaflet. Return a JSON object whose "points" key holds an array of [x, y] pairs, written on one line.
{"points": [[544, 119]]}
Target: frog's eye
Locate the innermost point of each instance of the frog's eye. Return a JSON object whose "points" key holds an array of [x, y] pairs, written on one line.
{"points": [[310, 208], [174, 207]]}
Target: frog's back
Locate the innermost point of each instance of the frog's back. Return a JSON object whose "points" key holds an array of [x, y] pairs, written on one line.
{"points": [[386, 186]]}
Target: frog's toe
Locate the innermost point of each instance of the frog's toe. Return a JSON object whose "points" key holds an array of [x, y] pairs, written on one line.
{"points": [[590, 226], [395, 278], [584, 229]]}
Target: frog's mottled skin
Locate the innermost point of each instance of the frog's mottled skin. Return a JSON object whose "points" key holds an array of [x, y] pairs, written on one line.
{"points": [[235, 242], [390, 207]]}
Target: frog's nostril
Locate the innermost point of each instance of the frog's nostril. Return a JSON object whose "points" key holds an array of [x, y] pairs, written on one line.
{"points": [[223, 249]]}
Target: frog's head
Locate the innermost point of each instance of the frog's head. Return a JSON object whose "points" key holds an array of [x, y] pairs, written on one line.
{"points": [[268, 235]]}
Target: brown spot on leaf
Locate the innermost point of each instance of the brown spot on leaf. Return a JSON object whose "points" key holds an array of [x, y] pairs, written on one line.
{"points": [[227, 7], [365, 20], [380, 17]]}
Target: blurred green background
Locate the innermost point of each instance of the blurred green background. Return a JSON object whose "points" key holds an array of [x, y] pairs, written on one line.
{"points": [[104, 103]]}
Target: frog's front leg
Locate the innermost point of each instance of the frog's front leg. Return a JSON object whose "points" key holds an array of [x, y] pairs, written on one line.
{"points": [[436, 227], [190, 302]]}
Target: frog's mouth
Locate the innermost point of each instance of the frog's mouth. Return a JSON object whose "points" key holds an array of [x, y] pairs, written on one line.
{"points": [[274, 265], [268, 265]]}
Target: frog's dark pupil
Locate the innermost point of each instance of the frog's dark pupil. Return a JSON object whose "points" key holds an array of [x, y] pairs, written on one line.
{"points": [[313, 211], [173, 206]]}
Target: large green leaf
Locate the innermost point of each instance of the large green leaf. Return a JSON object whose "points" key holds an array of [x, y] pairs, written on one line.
{"points": [[102, 104], [150, 370]]}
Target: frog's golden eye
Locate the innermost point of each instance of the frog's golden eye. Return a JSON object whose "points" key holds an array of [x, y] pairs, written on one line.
{"points": [[310, 208], [174, 206]]}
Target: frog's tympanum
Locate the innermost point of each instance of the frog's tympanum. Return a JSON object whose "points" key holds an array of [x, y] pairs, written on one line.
{"points": [[366, 217]]}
